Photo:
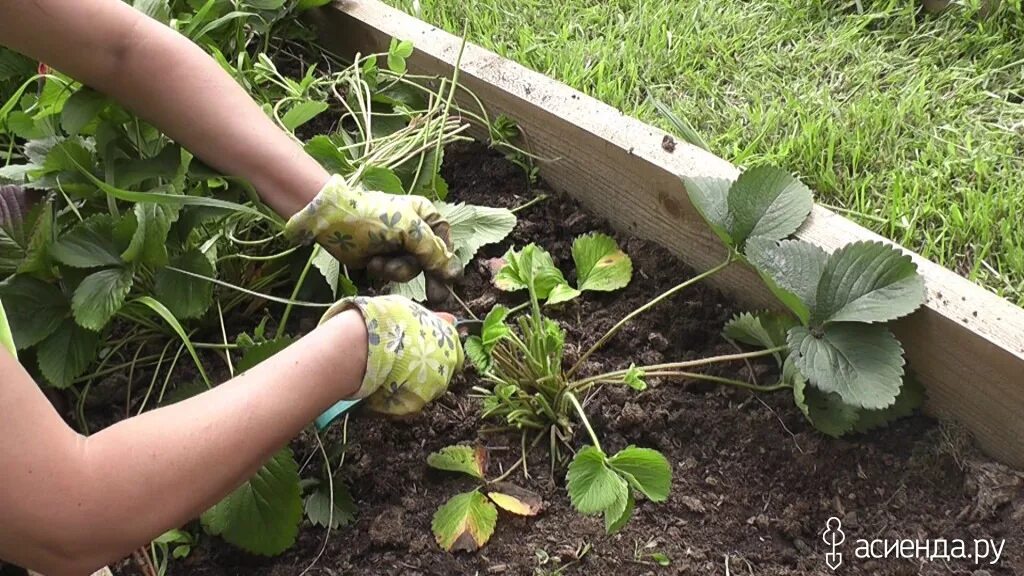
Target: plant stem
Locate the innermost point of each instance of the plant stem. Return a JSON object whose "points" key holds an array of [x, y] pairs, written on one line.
{"points": [[583, 418], [615, 329], [671, 366], [295, 293], [709, 378], [536, 199]]}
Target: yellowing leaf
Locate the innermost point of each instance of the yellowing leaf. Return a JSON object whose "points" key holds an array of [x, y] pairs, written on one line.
{"points": [[466, 522], [514, 499], [600, 264], [465, 459]]}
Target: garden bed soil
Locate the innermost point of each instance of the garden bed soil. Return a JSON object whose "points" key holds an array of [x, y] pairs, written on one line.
{"points": [[753, 483]]}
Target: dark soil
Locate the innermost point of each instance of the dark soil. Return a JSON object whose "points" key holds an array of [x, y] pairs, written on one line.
{"points": [[753, 483]]}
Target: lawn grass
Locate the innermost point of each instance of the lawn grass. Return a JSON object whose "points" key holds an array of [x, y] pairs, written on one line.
{"points": [[910, 124]]}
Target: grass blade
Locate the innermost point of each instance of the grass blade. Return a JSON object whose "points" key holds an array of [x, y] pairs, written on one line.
{"points": [[164, 313]]}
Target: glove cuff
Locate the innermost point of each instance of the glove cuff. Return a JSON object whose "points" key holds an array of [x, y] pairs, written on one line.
{"points": [[307, 224], [372, 379]]}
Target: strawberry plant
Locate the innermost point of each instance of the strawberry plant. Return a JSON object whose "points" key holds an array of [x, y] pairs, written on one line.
{"points": [[839, 361], [467, 520]]}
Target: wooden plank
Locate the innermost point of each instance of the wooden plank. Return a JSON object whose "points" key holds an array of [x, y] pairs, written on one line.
{"points": [[966, 345]]}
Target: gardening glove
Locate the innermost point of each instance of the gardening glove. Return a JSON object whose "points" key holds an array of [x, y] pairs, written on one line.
{"points": [[393, 237], [413, 353]]}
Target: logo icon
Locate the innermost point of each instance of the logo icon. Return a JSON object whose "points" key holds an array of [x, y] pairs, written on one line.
{"points": [[833, 536]]}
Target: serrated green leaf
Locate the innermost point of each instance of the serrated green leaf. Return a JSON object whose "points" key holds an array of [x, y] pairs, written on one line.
{"points": [[415, 289], [477, 354], [262, 351], [618, 514], [301, 113], [910, 398], [562, 293], [765, 330], [710, 196], [185, 296], [494, 329], [466, 459], [646, 470], [148, 243], [35, 309], [14, 228], [466, 522], [65, 354], [868, 282], [90, 244], [334, 512], [99, 297], [825, 410], [67, 155], [531, 265], [380, 179], [6, 337], [37, 259], [635, 378], [593, 486], [327, 153], [794, 266], [397, 53], [769, 203], [80, 109], [862, 363], [261, 516], [473, 227], [329, 268], [600, 264]]}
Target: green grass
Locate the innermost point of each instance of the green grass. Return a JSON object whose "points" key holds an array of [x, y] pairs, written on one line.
{"points": [[908, 123]]}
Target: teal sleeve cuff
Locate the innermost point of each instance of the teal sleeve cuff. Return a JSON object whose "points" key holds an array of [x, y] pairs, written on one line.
{"points": [[333, 412]]}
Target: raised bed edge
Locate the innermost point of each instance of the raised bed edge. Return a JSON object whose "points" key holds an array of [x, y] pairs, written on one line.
{"points": [[966, 345]]}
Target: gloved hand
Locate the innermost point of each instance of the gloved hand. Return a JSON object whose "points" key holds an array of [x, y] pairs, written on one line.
{"points": [[413, 354], [394, 237]]}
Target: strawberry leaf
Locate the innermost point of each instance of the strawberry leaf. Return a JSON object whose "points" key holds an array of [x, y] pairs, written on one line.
{"points": [[792, 269], [65, 354], [466, 459], [618, 514], [600, 264], [261, 516], [326, 510], [466, 522], [767, 203], [825, 410], [100, 296], [35, 309], [868, 282], [710, 196], [514, 499], [862, 363], [646, 470], [911, 397], [593, 486]]}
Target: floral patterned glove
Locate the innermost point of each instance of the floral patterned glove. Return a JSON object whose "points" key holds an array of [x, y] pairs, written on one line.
{"points": [[393, 236], [413, 353]]}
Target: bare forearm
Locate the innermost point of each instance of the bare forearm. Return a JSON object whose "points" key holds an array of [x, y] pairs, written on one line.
{"points": [[170, 82], [118, 489]]}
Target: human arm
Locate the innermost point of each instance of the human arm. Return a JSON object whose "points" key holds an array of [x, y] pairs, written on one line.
{"points": [[70, 504], [170, 82]]}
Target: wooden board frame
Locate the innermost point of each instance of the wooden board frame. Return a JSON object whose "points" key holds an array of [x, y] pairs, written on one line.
{"points": [[966, 345]]}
